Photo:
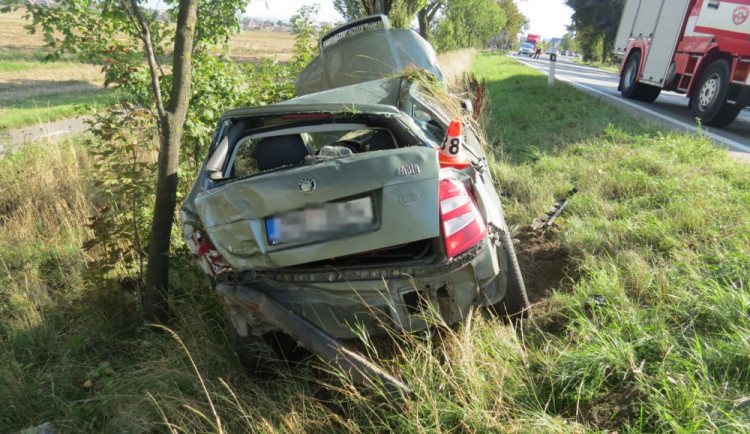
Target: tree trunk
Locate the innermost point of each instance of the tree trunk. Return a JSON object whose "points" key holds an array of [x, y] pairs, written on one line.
{"points": [[424, 24], [171, 121]]}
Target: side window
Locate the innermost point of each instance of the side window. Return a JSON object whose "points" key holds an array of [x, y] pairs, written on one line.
{"points": [[244, 163]]}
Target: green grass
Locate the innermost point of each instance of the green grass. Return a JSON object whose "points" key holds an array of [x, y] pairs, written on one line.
{"points": [[52, 107], [649, 333], [26, 65]]}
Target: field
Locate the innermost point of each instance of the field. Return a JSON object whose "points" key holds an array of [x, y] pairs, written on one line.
{"points": [[640, 320], [33, 91]]}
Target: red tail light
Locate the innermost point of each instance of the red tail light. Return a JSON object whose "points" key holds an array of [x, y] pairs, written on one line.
{"points": [[463, 225], [200, 245]]}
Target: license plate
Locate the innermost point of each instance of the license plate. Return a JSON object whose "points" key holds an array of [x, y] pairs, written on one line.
{"points": [[329, 220]]}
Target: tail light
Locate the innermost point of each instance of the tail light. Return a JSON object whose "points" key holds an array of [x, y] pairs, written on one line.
{"points": [[462, 223], [199, 244]]}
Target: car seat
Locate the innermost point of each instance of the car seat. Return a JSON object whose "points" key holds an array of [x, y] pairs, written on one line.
{"points": [[277, 151]]}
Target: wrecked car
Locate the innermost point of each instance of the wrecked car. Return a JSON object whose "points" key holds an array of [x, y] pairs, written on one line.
{"points": [[357, 207]]}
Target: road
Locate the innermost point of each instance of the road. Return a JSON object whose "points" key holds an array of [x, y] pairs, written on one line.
{"points": [[11, 141], [670, 108]]}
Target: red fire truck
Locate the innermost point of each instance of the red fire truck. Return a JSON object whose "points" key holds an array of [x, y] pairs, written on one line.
{"points": [[700, 48], [534, 39]]}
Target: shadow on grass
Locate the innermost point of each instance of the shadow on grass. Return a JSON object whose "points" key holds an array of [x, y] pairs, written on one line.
{"points": [[29, 92]]}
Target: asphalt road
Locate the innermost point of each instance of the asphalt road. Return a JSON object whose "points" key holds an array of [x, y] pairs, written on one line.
{"points": [[669, 109]]}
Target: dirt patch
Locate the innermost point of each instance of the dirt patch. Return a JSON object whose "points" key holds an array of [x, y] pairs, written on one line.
{"points": [[616, 409], [545, 265]]}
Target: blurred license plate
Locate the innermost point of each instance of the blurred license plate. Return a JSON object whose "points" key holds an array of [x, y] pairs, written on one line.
{"points": [[327, 220]]}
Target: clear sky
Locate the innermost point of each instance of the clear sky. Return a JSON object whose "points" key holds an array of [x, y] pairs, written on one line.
{"points": [[283, 9], [547, 17]]}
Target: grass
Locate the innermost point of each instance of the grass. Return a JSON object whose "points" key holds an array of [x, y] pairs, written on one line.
{"points": [[32, 111], [33, 91], [647, 333]]}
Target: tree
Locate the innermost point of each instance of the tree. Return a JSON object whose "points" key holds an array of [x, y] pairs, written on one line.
{"points": [[514, 19], [123, 35], [349, 9], [462, 27], [426, 15], [399, 12], [595, 23], [569, 42]]}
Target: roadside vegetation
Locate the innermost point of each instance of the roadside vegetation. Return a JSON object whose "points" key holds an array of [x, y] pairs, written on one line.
{"points": [[34, 90], [641, 302]]}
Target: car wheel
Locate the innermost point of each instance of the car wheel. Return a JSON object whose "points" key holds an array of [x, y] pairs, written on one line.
{"points": [[264, 355], [709, 101], [515, 304], [629, 86]]}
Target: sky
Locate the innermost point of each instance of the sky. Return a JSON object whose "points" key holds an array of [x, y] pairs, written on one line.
{"points": [[547, 17]]}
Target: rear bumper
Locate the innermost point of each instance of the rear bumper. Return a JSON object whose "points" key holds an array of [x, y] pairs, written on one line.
{"points": [[375, 300]]}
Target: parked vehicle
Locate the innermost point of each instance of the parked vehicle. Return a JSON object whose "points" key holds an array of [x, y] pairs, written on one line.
{"points": [[357, 207], [700, 48], [534, 39], [527, 48]]}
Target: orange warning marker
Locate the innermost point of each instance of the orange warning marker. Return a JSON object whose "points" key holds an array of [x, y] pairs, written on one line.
{"points": [[452, 149]]}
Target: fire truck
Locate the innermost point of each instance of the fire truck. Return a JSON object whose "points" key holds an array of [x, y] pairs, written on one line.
{"points": [[700, 48], [534, 39]]}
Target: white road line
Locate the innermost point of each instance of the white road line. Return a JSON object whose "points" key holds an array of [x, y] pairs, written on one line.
{"points": [[685, 125], [56, 133]]}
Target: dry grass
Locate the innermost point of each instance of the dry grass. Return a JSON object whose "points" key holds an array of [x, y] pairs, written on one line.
{"points": [[254, 46], [455, 63], [13, 35]]}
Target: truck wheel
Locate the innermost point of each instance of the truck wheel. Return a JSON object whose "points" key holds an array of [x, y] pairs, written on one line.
{"points": [[516, 302], [629, 86], [649, 93], [709, 101]]}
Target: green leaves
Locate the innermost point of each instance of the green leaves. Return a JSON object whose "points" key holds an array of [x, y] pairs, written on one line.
{"points": [[463, 27]]}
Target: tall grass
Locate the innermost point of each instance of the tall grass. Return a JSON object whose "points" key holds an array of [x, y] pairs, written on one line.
{"points": [[649, 333]]}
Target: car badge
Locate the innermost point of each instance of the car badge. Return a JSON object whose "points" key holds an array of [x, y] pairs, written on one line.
{"points": [[306, 186], [411, 169]]}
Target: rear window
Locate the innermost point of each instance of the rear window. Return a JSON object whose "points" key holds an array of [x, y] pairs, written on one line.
{"points": [[254, 154]]}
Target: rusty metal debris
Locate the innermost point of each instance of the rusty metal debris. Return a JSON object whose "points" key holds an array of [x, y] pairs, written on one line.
{"points": [[554, 212]]}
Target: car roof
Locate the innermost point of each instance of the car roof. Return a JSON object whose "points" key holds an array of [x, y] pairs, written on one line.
{"points": [[294, 107]]}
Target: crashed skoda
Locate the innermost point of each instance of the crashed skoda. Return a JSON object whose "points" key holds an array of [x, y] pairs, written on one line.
{"points": [[357, 207]]}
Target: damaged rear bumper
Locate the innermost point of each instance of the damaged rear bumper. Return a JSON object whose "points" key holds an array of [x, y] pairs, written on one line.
{"points": [[347, 302]]}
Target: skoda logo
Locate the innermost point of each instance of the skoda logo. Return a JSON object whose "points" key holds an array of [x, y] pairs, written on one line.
{"points": [[306, 185], [408, 198]]}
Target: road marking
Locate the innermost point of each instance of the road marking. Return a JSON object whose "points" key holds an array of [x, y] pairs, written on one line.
{"points": [[56, 133], [677, 122]]}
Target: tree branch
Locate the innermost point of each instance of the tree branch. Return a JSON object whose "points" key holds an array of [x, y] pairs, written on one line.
{"points": [[153, 65]]}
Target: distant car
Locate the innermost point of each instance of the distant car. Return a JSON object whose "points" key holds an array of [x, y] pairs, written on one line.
{"points": [[338, 206], [564, 52], [526, 48]]}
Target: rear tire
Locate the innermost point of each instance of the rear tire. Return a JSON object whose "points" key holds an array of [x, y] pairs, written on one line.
{"points": [[709, 101], [263, 355], [515, 304], [629, 86]]}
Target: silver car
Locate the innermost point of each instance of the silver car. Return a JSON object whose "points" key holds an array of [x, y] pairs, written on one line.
{"points": [[339, 208]]}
